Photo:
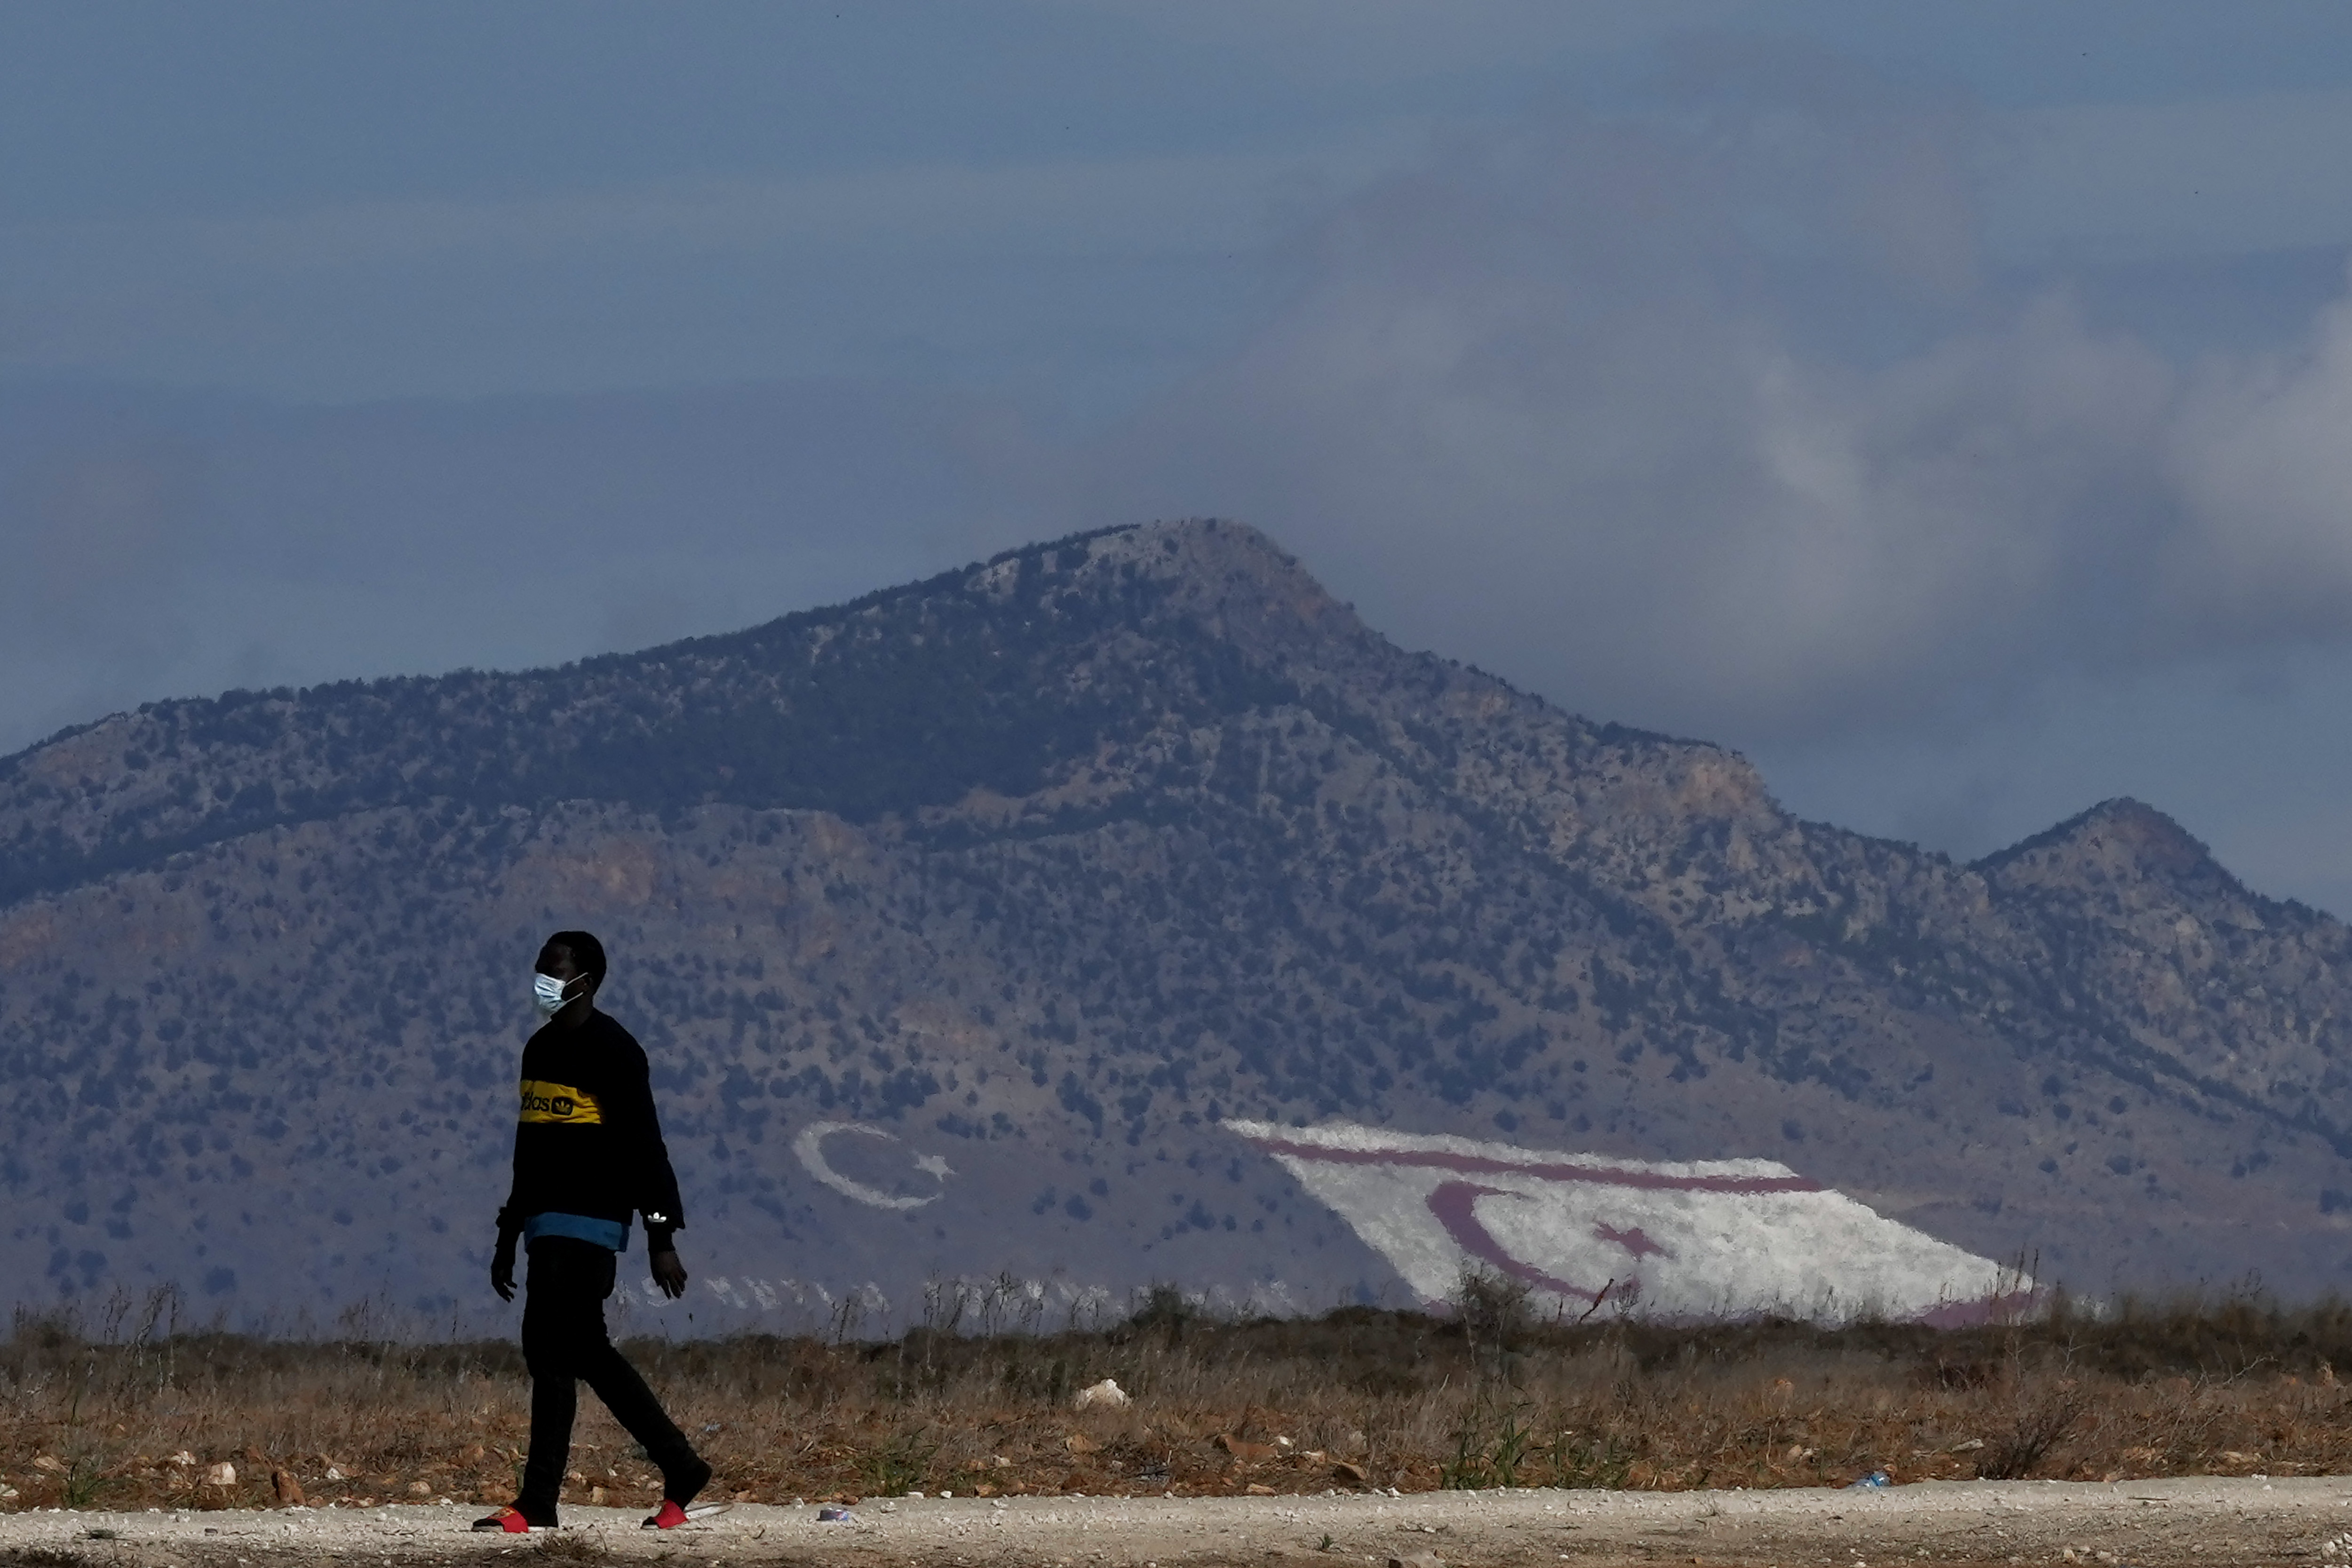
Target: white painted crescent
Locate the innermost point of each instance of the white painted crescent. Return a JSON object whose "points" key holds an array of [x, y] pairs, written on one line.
{"points": [[809, 1148]]}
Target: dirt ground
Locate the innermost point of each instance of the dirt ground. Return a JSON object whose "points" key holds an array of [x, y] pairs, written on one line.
{"points": [[2201, 1520]]}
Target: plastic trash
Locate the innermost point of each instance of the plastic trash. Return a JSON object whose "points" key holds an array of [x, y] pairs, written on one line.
{"points": [[1106, 1393], [1871, 1481], [833, 1516]]}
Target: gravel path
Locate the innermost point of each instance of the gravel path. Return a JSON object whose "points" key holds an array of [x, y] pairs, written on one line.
{"points": [[2198, 1520]]}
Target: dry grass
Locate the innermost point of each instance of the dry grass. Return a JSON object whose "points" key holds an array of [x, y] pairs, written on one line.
{"points": [[1484, 1398]]}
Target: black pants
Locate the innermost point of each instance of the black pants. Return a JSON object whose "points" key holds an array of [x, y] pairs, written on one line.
{"points": [[563, 1345]]}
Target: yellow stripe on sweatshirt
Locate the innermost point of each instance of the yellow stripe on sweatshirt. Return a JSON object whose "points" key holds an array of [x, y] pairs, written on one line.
{"points": [[544, 1101]]}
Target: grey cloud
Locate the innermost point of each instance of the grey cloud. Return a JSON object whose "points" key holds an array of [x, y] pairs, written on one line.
{"points": [[1711, 421], [1549, 403], [2261, 452]]}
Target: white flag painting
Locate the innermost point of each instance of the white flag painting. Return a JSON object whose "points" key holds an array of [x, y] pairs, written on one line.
{"points": [[1699, 1238]]}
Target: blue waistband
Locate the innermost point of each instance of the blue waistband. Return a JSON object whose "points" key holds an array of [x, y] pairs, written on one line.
{"points": [[606, 1232]]}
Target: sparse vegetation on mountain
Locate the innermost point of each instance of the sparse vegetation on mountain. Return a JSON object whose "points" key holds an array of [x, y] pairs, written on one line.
{"points": [[1049, 866]]}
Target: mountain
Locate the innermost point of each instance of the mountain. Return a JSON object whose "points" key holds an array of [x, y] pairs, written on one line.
{"points": [[960, 920]]}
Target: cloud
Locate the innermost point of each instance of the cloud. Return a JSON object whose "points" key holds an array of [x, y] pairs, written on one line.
{"points": [[2261, 454], [1711, 420]]}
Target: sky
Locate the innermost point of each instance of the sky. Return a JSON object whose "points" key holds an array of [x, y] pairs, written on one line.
{"points": [[1946, 406]]}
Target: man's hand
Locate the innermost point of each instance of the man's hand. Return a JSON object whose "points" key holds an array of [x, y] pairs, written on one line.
{"points": [[502, 1268], [669, 1274]]}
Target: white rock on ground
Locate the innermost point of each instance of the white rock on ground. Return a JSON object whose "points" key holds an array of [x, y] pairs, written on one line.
{"points": [[1106, 1394]]}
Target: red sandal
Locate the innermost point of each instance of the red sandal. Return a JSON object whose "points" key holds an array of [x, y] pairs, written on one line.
{"points": [[670, 1516], [508, 1520]]}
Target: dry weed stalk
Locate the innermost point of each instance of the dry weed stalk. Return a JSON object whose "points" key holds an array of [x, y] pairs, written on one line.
{"points": [[967, 1403]]}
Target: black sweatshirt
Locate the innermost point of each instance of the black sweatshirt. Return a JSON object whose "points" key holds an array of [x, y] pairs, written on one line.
{"points": [[588, 1142]]}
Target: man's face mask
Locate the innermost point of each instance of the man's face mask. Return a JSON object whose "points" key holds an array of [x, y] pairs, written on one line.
{"points": [[547, 994]]}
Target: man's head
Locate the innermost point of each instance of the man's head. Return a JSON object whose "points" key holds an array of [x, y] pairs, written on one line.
{"points": [[577, 959]]}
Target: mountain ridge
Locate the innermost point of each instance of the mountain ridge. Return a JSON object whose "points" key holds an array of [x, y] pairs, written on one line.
{"points": [[1062, 858]]}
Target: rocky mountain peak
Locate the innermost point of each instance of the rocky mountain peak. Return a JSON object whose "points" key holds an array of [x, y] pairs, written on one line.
{"points": [[2115, 842], [1247, 587]]}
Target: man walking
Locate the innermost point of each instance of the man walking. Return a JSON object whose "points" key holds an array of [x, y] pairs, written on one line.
{"points": [[588, 1155]]}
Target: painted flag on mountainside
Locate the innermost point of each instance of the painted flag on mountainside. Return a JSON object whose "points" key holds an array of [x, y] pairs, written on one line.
{"points": [[1710, 1237]]}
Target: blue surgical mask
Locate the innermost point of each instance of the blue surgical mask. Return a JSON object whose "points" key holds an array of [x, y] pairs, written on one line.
{"points": [[547, 994]]}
